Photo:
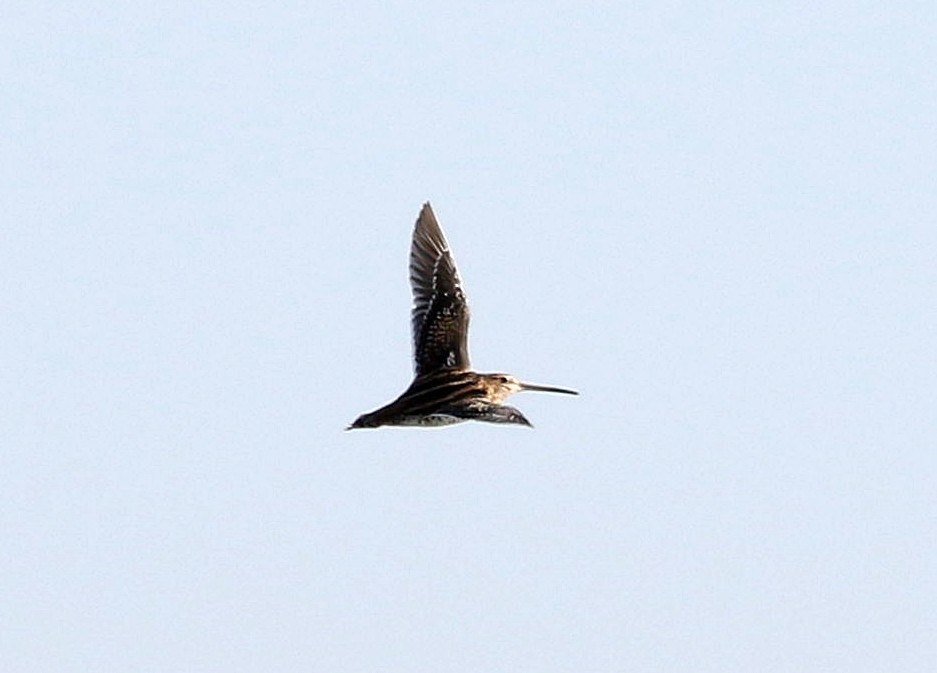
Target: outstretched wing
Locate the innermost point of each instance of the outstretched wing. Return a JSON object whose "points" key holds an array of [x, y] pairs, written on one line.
{"points": [[440, 313]]}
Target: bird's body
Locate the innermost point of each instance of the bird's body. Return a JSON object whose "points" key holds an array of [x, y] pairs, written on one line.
{"points": [[444, 390]]}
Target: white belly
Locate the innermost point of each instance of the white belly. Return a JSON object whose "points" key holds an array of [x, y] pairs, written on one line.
{"points": [[430, 421]]}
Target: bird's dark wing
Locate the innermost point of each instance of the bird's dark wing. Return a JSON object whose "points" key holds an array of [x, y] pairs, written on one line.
{"points": [[440, 313]]}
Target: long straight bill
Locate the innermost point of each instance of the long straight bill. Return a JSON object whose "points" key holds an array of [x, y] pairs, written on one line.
{"points": [[547, 389]]}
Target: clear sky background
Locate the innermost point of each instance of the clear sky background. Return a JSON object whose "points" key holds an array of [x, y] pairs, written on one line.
{"points": [[718, 221]]}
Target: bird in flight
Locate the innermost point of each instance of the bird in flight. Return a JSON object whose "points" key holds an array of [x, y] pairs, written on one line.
{"points": [[445, 390]]}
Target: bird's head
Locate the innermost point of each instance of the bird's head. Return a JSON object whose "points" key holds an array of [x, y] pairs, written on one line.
{"points": [[503, 385]]}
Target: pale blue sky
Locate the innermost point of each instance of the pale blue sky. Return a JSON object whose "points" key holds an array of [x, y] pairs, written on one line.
{"points": [[715, 220]]}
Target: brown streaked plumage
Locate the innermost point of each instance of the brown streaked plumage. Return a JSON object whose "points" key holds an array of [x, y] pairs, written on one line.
{"points": [[444, 390]]}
